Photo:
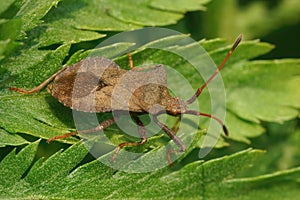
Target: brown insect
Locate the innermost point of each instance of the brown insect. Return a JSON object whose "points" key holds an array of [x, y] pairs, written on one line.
{"points": [[96, 78]]}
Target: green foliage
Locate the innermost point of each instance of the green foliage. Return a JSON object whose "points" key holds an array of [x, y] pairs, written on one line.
{"points": [[10, 139], [38, 37], [57, 178]]}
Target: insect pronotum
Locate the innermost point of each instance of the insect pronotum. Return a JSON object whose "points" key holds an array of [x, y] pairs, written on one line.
{"points": [[101, 77]]}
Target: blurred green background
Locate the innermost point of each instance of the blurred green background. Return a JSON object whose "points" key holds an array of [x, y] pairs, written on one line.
{"points": [[273, 21]]}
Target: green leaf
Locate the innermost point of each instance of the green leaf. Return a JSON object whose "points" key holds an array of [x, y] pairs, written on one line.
{"points": [[3, 47], [13, 166], [180, 5], [32, 115], [281, 185], [76, 15], [56, 34], [10, 139], [264, 82], [68, 22], [33, 11], [37, 61], [41, 175], [5, 5], [58, 177], [282, 149], [9, 31]]}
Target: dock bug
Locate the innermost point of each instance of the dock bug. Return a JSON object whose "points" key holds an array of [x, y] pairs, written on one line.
{"points": [[97, 77]]}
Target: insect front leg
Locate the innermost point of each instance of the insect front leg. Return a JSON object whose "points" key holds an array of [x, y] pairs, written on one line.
{"points": [[142, 132], [170, 133], [100, 127], [41, 86], [173, 136]]}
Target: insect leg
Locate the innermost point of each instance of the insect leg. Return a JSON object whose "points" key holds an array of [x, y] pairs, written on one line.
{"points": [[100, 127], [132, 67], [170, 133], [41, 86], [130, 60], [142, 132]]}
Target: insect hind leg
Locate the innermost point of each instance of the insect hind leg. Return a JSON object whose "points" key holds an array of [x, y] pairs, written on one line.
{"points": [[100, 127]]}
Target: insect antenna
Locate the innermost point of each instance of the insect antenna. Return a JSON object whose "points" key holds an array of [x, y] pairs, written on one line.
{"points": [[38, 88], [198, 92], [194, 112]]}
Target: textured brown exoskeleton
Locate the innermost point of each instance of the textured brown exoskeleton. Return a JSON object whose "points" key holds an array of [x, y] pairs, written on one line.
{"points": [[90, 86]]}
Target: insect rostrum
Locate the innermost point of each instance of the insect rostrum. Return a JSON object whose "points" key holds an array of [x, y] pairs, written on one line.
{"points": [[91, 84]]}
